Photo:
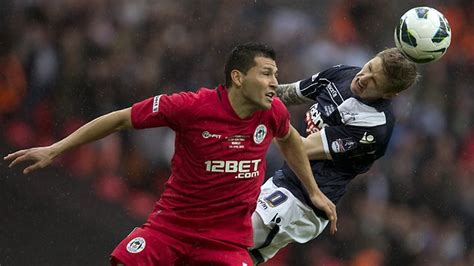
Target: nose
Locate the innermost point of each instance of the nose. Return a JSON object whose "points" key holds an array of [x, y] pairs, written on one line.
{"points": [[273, 82], [364, 79]]}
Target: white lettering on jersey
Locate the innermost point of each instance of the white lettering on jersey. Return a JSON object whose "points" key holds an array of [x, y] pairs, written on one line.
{"points": [[156, 104], [313, 119], [206, 135], [244, 168], [262, 203], [332, 90], [236, 141], [355, 113], [329, 109]]}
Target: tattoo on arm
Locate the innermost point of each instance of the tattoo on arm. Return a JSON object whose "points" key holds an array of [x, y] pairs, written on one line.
{"points": [[288, 95]]}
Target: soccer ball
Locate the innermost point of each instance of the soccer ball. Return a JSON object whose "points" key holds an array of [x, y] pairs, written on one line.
{"points": [[423, 34]]}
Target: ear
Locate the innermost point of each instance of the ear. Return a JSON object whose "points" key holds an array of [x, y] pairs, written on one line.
{"points": [[237, 77], [390, 95]]}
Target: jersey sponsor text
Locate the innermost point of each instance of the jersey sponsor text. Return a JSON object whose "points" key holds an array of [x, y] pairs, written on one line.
{"points": [[244, 168]]}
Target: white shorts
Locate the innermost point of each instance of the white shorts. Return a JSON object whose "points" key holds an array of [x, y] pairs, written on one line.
{"points": [[280, 218]]}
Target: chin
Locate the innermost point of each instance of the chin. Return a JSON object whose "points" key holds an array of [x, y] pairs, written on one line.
{"points": [[266, 106], [354, 91], [270, 103], [352, 86]]}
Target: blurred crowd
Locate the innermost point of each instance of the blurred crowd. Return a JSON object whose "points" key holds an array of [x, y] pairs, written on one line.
{"points": [[65, 62]]}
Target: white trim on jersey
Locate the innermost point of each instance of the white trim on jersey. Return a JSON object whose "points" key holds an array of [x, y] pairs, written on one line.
{"points": [[298, 89], [355, 113], [331, 88], [325, 143]]}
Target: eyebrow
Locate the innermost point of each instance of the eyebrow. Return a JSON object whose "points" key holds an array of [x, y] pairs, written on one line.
{"points": [[269, 67], [265, 68]]}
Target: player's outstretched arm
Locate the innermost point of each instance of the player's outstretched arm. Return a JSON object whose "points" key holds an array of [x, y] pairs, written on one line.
{"points": [[289, 96], [313, 145], [94, 130], [292, 149]]}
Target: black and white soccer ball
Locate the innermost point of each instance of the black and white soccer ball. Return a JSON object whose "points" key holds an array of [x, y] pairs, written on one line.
{"points": [[423, 34]]}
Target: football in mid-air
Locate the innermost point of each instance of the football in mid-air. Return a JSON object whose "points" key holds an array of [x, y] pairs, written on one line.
{"points": [[423, 34]]}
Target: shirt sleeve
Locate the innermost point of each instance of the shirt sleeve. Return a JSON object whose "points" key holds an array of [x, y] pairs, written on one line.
{"points": [[312, 86], [353, 143], [163, 110]]}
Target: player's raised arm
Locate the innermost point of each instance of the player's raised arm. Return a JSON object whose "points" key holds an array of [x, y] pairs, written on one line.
{"points": [[288, 94], [292, 148], [94, 130], [314, 147]]}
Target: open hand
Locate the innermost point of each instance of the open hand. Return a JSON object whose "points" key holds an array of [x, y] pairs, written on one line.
{"points": [[41, 157], [323, 203]]}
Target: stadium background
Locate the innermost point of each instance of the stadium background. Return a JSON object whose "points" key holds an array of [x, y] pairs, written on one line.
{"points": [[63, 63]]}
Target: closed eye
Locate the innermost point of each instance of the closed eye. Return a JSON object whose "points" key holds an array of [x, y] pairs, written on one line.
{"points": [[372, 77]]}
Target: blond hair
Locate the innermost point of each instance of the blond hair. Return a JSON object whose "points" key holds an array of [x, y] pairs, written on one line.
{"points": [[401, 73]]}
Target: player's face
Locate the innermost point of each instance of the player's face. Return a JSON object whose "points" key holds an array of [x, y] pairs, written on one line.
{"points": [[260, 82], [369, 83]]}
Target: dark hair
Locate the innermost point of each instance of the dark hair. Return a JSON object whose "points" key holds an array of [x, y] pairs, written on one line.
{"points": [[243, 56], [401, 73]]}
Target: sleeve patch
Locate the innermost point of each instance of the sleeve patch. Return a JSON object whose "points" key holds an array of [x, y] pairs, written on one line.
{"points": [[343, 145], [156, 104]]}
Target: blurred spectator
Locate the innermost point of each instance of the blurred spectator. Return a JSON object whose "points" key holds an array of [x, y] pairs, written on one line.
{"points": [[12, 76], [64, 62]]}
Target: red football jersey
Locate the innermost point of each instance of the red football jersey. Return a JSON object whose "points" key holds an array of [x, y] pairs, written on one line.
{"points": [[218, 164]]}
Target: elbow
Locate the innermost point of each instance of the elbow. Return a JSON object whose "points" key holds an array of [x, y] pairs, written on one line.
{"points": [[123, 119]]}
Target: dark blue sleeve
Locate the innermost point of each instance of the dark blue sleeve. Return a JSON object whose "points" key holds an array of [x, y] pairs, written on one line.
{"points": [[311, 87], [359, 146]]}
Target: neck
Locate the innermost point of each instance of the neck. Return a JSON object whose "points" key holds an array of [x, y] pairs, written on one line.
{"points": [[241, 106]]}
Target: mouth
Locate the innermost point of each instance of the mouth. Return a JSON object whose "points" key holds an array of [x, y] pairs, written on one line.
{"points": [[270, 96], [360, 87]]}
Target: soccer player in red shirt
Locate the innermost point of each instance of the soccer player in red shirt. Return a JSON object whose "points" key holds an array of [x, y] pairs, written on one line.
{"points": [[222, 135]]}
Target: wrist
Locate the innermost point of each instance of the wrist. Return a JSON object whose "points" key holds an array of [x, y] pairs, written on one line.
{"points": [[316, 193], [55, 150]]}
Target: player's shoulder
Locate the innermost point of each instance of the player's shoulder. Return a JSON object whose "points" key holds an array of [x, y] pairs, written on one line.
{"points": [[335, 74], [278, 106], [339, 71], [203, 91], [201, 94], [343, 67], [276, 114], [355, 112], [277, 103]]}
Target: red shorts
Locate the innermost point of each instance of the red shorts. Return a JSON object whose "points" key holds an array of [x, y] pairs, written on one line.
{"points": [[147, 246]]}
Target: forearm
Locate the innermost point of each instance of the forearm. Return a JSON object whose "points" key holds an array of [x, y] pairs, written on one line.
{"points": [[295, 155], [314, 148], [292, 149], [94, 130], [289, 96]]}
